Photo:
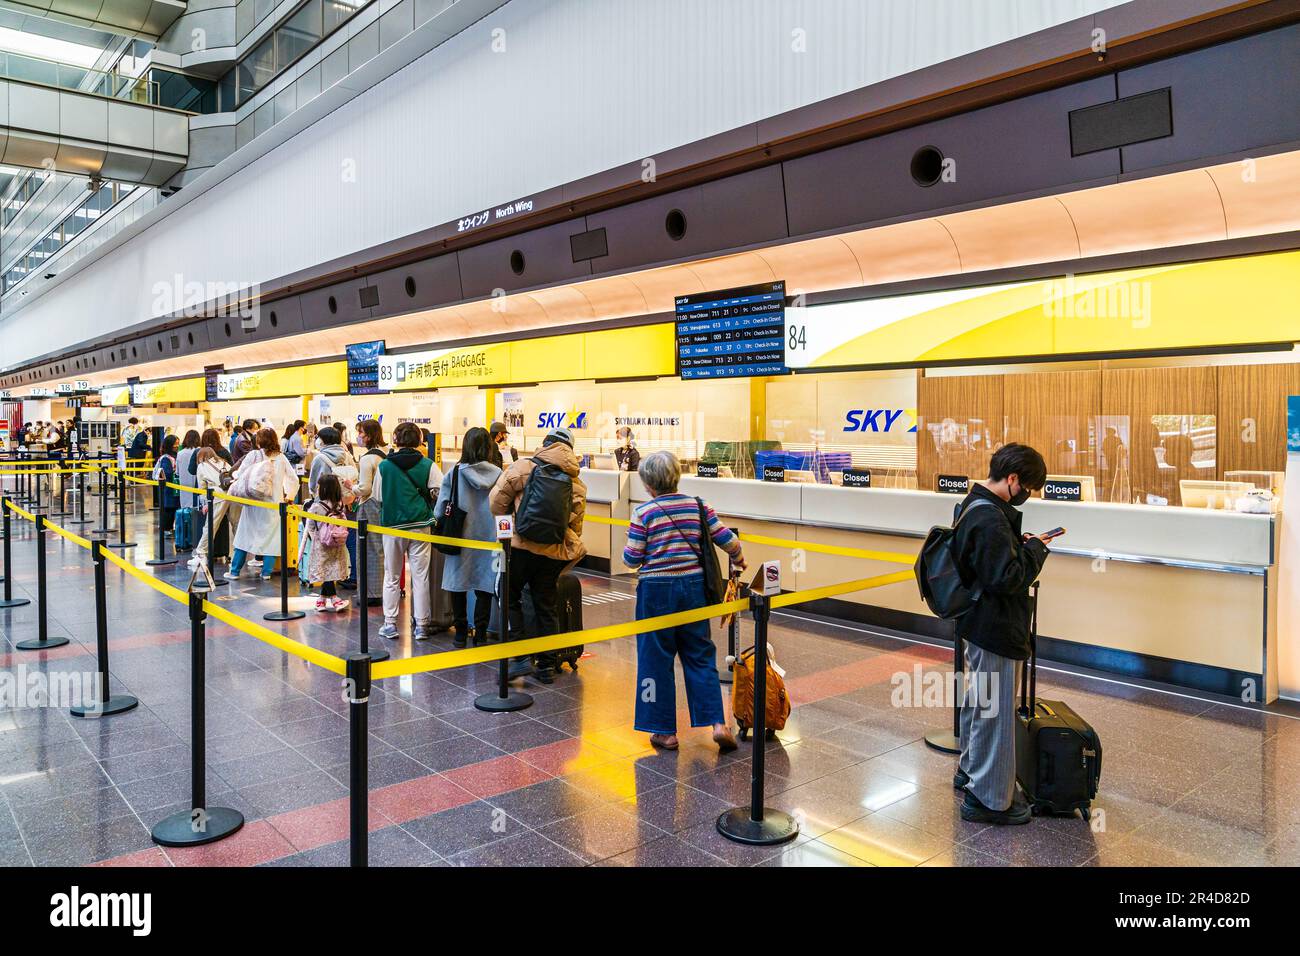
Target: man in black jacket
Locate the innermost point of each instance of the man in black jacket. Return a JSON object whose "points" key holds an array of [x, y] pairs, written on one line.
{"points": [[999, 563]]}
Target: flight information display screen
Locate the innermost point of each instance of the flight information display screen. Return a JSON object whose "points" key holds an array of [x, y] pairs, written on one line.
{"points": [[735, 333], [363, 367]]}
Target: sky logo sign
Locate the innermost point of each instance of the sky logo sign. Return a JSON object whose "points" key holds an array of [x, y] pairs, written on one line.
{"points": [[571, 419], [880, 420]]}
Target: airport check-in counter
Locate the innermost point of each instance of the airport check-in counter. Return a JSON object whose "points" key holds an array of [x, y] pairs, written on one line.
{"points": [[1184, 596]]}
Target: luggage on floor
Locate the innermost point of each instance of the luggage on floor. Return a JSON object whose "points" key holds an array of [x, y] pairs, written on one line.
{"points": [[183, 530], [440, 615], [221, 538], [1058, 753], [568, 617], [777, 705]]}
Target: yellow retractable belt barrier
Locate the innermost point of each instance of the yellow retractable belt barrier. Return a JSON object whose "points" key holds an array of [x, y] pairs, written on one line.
{"points": [[76, 539], [309, 654], [894, 557], [19, 511]]}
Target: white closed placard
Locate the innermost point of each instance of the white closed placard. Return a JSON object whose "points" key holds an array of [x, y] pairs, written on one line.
{"points": [[768, 580]]}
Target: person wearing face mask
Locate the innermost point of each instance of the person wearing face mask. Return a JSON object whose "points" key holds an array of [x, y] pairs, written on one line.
{"points": [[999, 563], [625, 455], [499, 435]]}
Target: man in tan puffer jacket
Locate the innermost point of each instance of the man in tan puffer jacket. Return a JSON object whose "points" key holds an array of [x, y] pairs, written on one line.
{"points": [[533, 564]]}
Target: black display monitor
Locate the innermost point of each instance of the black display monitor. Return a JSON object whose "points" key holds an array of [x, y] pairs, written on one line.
{"points": [[363, 367], [735, 333]]}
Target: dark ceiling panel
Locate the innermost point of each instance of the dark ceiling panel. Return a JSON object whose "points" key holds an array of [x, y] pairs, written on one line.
{"points": [[338, 304], [1001, 151], [526, 261], [421, 285], [729, 213], [1226, 99]]}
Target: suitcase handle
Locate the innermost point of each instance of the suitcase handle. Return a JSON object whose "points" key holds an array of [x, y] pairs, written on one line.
{"points": [[1029, 675]]}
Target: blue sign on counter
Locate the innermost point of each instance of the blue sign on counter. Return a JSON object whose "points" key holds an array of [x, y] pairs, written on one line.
{"points": [[1293, 424]]}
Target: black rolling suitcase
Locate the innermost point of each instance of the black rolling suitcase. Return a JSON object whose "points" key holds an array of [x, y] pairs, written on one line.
{"points": [[1058, 754], [568, 614]]}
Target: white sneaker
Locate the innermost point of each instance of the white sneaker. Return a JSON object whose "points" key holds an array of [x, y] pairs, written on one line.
{"points": [[231, 576], [388, 632], [339, 605], [321, 605]]}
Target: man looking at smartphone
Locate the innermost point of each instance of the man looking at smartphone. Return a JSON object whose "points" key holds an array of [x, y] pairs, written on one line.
{"points": [[999, 564]]}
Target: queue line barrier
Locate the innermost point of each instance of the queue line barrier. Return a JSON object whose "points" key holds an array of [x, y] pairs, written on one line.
{"points": [[754, 824]]}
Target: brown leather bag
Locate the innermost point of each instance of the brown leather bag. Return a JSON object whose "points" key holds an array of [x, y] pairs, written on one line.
{"points": [[777, 708]]}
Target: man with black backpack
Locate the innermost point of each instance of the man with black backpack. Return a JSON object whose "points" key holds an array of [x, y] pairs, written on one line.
{"points": [[549, 501], [998, 564]]}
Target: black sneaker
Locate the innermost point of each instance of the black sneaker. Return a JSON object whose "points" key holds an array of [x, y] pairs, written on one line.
{"points": [[458, 641], [544, 674], [960, 780], [972, 811]]}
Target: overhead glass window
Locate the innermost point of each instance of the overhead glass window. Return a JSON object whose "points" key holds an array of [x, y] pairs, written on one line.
{"points": [[300, 33]]}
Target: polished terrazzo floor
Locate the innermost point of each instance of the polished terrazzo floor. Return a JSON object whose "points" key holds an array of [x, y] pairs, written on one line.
{"points": [[567, 782]]}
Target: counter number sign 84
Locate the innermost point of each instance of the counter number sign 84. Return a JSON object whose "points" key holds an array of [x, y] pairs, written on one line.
{"points": [[797, 338]]}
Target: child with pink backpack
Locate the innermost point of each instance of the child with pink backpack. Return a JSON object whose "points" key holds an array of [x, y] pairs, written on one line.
{"points": [[328, 559]]}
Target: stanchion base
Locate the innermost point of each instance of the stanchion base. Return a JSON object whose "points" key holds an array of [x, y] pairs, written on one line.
{"points": [[15, 602], [775, 827], [377, 654], [284, 615], [944, 741], [181, 829], [36, 644], [516, 700], [160, 562], [117, 704], [80, 521], [119, 544]]}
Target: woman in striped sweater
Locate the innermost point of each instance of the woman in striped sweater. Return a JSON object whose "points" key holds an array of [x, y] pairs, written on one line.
{"points": [[666, 541]]}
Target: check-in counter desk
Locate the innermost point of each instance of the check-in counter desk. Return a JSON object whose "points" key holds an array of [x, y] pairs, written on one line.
{"points": [[1185, 596]]}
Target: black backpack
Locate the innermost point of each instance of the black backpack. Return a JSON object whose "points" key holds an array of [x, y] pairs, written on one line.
{"points": [[937, 575], [545, 505]]}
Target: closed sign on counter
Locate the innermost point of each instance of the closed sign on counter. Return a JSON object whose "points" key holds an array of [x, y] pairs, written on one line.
{"points": [[952, 484], [706, 469], [1063, 491], [773, 473], [857, 478]]}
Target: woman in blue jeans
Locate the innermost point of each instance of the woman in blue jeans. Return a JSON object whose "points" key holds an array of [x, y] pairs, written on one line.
{"points": [[666, 541]]}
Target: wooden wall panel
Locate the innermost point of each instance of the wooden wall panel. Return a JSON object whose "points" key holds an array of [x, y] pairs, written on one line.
{"points": [[1163, 417], [1252, 415], [1056, 412], [959, 425]]}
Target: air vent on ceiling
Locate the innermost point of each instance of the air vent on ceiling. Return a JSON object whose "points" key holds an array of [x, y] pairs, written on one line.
{"points": [[1134, 119]]}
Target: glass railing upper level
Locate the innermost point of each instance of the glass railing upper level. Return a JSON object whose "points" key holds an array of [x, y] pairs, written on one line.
{"points": [[69, 76]]}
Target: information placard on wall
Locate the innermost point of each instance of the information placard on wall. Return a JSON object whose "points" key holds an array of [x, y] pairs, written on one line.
{"points": [[735, 333]]}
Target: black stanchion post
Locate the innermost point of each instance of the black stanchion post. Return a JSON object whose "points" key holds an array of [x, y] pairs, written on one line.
{"points": [[106, 704], [161, 559], [201, 823], [8, 579], [725, 674], [505, 699], [357, 691], [63, 490], [103, 502], [121, 541], [43, 641], [81, 518], [946, 741], [363, 572], [284, 614], [756, 824]]}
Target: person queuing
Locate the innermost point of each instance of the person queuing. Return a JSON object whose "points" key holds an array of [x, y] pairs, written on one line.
{"points": [[666, 541], [332, 459], [245, 442], [370, 436], [127, 438], [210, 472], [547, 539], [500, 436], [404, 490], [625, 455], [329, 562], [471, 570], [186, 467], [264, 475], [1001, 564], [291, 443], [166, 470]]}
